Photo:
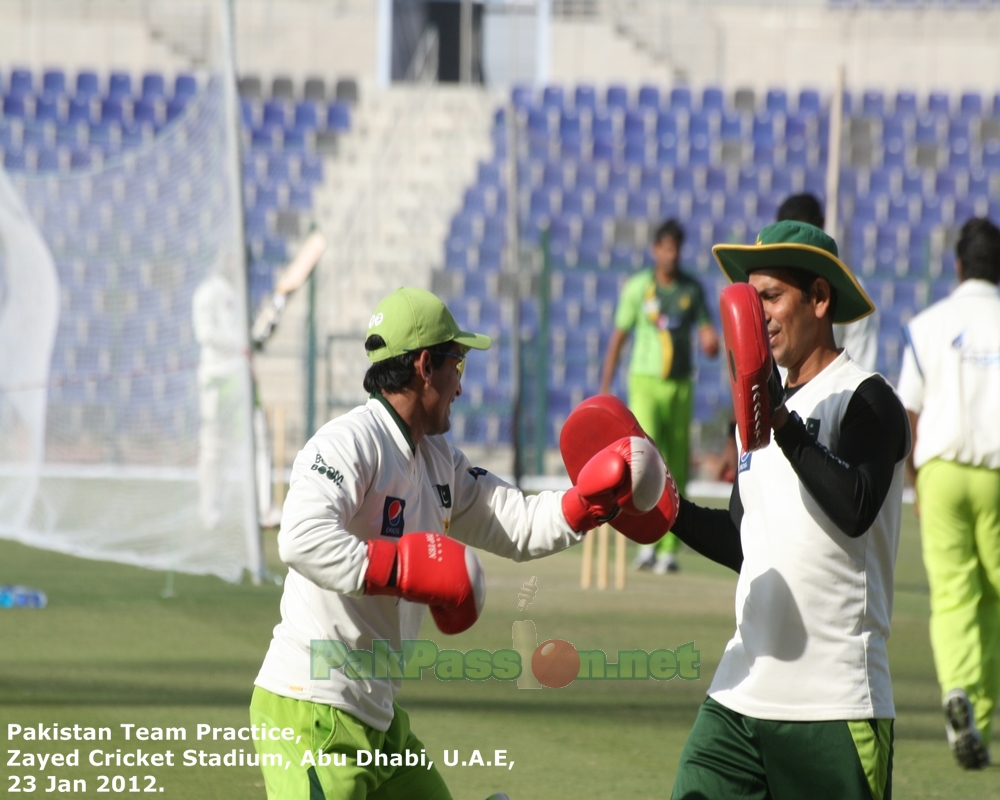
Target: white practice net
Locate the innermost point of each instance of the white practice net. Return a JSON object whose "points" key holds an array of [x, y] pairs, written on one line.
{"points": [[125, 386]]}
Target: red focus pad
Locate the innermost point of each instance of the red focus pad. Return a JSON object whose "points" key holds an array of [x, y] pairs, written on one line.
{"points": [[748, 356], [592, 426]]}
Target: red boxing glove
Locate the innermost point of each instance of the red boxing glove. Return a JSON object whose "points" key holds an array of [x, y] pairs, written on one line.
{"points": [[432, 569], [748, 355], [595, 424], [628, 476]]}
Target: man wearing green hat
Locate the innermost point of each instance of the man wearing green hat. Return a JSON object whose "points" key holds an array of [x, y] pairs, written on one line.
{"points": [[801, 704], [374, 530]]}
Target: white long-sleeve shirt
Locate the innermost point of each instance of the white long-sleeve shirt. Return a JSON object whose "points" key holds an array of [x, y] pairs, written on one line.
{"points": [[357, 479]]}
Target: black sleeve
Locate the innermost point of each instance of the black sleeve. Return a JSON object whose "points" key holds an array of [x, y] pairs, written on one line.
{"points": [[713, 532], [851, 484]]}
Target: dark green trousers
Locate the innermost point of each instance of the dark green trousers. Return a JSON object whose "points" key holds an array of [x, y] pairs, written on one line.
{"points": [[729, 755]]}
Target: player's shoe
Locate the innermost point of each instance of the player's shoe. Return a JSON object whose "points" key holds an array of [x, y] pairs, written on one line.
{"points": [[498, 796], [665, 563], [645, 558], [963, 736]]}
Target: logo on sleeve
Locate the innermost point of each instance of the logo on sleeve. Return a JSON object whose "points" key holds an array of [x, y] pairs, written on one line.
{"points": [[392, 516], [812, 427], [444, 494], [320, 466], [475, 472], [744, 464]]}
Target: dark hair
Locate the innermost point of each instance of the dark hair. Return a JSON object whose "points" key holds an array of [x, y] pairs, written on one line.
{"points": [[805, 280], [802, 208], [671, 228], [394, 374], [978, 249]]}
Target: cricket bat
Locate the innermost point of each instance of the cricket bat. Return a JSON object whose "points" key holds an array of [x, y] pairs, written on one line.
{"points": [[295, 273]]}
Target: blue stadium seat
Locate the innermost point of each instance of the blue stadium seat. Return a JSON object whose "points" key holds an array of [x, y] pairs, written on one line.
{"points": [[649, 97], [906, 102], [263, 138], [635, 151], [21, 82], [809, 102], [145, 110], [87, 83], [338, 117], [776, 101], [680, 98], [274, 114], [979, 182], [112, 110], [522, 96], [14, 106], [153, 85], [80, 158], [763, 129], [617, 97], [490, 258], [712, 99], [185, 85], [873, 103], [927, 130], [46, 108], [938, 103], [585, 96], [15, 160], [54, 82], [666, 151], [931, 212], [47, 160], [553, 97], [991, 155], [119, 84], [300, 198]]}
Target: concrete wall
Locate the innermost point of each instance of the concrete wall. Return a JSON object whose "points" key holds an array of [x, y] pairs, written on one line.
{"points": [[331, 38], [784, 44]]}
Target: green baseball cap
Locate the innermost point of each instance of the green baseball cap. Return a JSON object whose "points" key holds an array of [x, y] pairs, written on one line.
{"points": [[797, 245], [411, 319]]}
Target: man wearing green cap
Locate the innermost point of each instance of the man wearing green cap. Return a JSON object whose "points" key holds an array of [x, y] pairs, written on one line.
{"points": [[379, 509], [801, 704]]}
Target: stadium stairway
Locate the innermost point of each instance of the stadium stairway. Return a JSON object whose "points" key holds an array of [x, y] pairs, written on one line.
{"points": [[385, 205]]}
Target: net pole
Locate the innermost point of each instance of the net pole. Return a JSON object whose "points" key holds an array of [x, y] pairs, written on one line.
{"points": [[833, 159], [513, 256], [231, 116]]}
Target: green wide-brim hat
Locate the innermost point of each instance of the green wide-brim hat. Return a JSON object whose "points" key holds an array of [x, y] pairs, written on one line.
{"points": [[412, 319], [797, 245]]}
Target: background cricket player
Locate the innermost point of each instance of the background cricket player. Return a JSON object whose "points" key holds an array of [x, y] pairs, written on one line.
{"points": [[950, 385], [662, 306]]}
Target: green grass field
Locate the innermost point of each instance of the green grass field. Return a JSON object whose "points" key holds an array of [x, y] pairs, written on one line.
{"points": [[110, 650]]}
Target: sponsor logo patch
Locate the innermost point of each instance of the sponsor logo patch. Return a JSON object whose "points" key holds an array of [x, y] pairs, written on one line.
{"points": [[392, 516], [331, 473], [744, 464], [475, 472]]}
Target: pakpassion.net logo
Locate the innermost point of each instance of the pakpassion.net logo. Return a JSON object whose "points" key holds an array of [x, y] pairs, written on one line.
{"points": [[555, 663]]}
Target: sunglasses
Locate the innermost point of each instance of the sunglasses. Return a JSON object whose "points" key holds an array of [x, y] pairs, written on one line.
{"points": [[460, 366]]}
